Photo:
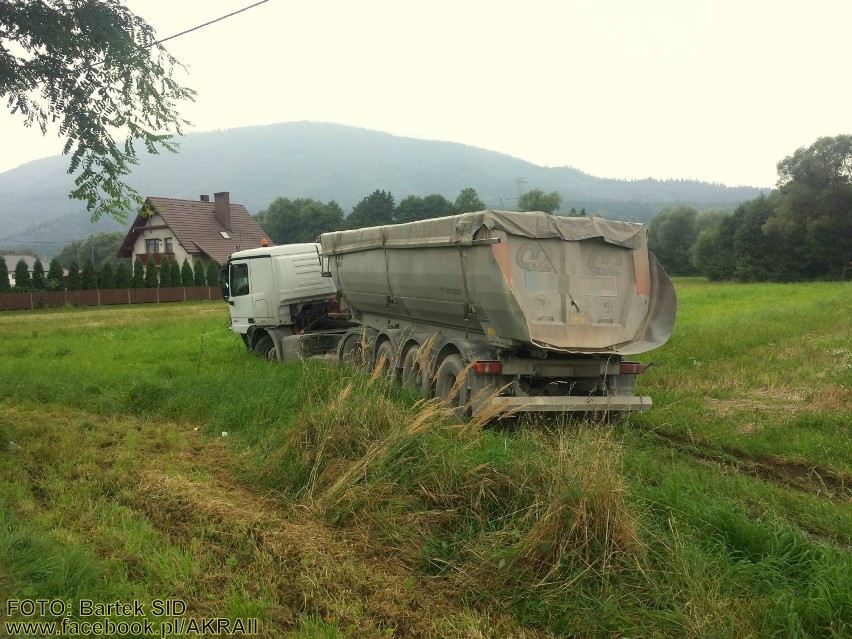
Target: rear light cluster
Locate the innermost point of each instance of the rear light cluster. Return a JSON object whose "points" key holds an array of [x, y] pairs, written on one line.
{"points": [[488, 367], [632, 368]]}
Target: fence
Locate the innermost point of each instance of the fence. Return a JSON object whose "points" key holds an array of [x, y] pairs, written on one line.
{"points": [[106, 297]]}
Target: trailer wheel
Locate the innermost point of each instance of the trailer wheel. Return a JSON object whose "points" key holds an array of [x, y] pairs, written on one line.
{"points": [[265, 348], [412, 371], [385, 358], [449, 372]]}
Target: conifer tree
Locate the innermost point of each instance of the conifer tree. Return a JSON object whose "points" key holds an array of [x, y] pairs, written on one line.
{"points": [[74, 281], [107, 276], [151, 279], [213, 273], [200, 278], [138, 280], [165, 274], [122, 275], [187, 277], [88, 278], [5, 285], [22, 276], [55, 275], [39, 280], [175, 269]]}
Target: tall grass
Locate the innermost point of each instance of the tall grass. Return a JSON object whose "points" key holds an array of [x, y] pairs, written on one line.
{"points": [[577, 529]]}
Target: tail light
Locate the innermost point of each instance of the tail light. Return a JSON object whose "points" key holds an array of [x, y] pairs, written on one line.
{"points": [[632, 368], [488, 367]]}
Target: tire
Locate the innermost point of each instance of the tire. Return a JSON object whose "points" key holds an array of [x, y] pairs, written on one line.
{"points": [[386, 352], [412, 373], [265, 348], [352, 352], [448, 373]]}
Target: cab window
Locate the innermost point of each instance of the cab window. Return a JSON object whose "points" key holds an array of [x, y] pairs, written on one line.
{"points": [[239, 280]]}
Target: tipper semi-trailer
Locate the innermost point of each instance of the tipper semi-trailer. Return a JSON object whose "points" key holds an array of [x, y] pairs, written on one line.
{"points": [[494, 310]]}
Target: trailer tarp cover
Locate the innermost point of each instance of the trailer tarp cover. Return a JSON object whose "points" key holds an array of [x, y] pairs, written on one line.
{"points": [[463, 229]]}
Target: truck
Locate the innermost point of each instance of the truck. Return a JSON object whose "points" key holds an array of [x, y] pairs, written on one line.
{"points": [[492, 311]]}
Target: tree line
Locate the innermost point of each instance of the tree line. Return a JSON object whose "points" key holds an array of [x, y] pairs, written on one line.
{"points": [[288, 221], [169, 274], [800, 231]]}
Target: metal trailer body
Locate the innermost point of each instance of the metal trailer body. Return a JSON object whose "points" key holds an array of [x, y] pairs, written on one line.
{"points": [[540, 309]]}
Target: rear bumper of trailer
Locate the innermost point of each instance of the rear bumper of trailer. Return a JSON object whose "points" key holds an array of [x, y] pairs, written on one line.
{"points": [[559, 404]]}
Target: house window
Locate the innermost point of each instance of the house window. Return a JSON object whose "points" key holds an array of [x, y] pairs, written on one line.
{"points": [[225, 235], [169, 246], [239, 280], [152, 246]]}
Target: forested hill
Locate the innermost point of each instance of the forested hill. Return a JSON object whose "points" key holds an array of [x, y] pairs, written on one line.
{"points": [[333, 162]]}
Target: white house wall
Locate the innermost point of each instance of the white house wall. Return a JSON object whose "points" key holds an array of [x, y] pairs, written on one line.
{"points": [[162, 234]]}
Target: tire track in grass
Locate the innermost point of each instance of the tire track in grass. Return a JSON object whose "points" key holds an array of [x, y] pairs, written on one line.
{"points": [[815, 480]]}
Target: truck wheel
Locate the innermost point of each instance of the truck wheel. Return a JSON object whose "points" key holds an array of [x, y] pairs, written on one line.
{"points": [[448, 374], [352, 352], [265, 348], [412, 373], [385, 352]]}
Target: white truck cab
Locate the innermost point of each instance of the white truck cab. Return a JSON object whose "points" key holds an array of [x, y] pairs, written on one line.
{"points": [[274, 288]]}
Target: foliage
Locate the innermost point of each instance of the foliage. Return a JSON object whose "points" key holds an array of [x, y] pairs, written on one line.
{"points": [[55, 275], [151, 278], [212, 273], [107, 276], [174, 269], [39, 280], [200, 279], [22, 276], [75, 282], [538, 200], [88, 277], [184, 275], [289, 221], [99, 247], [5, 284], [414, 208], [138, 280], [671, 234], [468, 201], [97, 69], [123, 278], [814, 212], [802, 231], [165, 273], [376, 209]]}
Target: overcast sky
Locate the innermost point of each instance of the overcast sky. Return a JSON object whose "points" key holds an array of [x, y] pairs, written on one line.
{"points": [[698, 89]]}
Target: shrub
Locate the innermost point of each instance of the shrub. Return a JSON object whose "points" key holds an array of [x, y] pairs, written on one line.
{"points": [[166, 274], [187, 277], [74, 280], [151, 279], [122, 275], [138, 280]]}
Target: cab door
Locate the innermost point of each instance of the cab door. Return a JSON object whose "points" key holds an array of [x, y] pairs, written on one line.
{"points": [[242, 307]]}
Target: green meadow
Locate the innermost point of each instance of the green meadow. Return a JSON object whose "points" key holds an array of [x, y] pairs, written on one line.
{"points": [[145, 457]]}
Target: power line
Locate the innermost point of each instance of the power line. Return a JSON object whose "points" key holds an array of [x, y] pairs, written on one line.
{"points": [[8, 239], [200, 26]]}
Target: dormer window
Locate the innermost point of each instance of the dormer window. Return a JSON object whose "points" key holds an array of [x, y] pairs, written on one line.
{"points": [[225, 235]]}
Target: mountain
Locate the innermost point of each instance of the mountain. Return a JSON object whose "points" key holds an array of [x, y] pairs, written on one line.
{"points": [[329, 162]]}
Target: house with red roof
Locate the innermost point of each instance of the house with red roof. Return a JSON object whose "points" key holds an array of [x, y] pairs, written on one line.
{"points": [[172, 229]]}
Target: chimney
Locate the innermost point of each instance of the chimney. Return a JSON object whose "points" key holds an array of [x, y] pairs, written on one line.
{"points": [[205, 198], [222, 208]]}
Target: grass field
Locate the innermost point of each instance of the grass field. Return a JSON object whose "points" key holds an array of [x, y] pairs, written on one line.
{"points": [[145, 456]]}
